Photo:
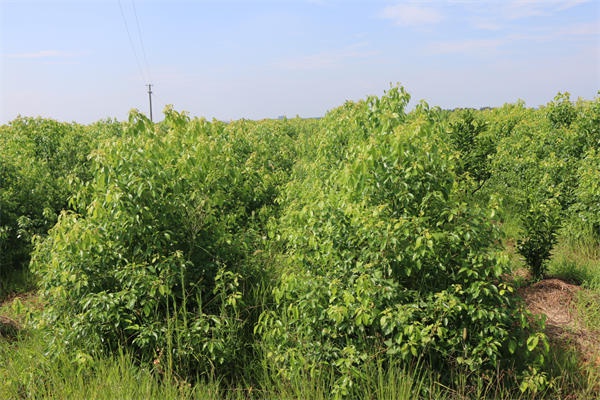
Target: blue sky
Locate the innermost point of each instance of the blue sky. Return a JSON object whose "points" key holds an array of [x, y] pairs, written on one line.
{"points": [[74, 61]]}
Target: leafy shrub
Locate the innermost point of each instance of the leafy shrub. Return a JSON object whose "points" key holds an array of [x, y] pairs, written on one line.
{"points": [[540, 153], [541, 224], [160, 254], [561, 111], [475, 149], [587, 123], [39, 159], [382, 257], [587, 207]]}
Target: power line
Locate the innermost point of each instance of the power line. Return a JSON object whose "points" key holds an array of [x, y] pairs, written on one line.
{"points": [[140, 36], [145, 77], [137, 60]]}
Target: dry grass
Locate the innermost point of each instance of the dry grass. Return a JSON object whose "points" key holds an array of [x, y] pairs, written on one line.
{"points": [[566, 328]]}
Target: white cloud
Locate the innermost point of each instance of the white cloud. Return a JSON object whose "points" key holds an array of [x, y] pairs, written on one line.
{"points": [[565, 4], [327, 59], [567, 32], [41, 54], [486, 24], [581, 29], [517, 9], [411, 15], [466, 46], [507, 17]]}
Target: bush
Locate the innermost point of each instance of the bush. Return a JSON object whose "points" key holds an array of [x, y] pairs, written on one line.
{"points": [[39, 160], [475, 148], [381, 257], [587, 207], [541, 224], [561, 111], [161, 253]]}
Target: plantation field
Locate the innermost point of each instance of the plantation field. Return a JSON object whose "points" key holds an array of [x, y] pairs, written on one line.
{"points": [[375, 253]]}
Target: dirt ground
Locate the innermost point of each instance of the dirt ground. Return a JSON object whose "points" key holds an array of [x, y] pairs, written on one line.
{"points": [[11, 322], [555, 299]]}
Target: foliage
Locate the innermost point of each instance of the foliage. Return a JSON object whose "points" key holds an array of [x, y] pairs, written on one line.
{"points": [[475, 148], [39, 160], [26, 372], [542, 167], [561, 111], [541, 224], [587, 208], [382, 256], [162, 251], [300, 255], [587, 123]]}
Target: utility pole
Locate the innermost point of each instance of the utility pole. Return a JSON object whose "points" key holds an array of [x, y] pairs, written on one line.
{"points": [[150, 98]]}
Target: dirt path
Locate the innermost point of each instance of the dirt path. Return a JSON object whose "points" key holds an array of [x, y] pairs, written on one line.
{"points": [[555, 299]]}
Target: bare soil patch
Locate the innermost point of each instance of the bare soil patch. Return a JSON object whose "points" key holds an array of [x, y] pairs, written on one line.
{"points": [[12, 322], [555, 299], [8, 327]]}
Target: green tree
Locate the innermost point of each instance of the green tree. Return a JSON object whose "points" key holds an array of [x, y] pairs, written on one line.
{"points": [[381, 255], [162, 253], [40, 160]]}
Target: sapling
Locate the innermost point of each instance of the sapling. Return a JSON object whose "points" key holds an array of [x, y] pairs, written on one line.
{"points": [[541, 223]]}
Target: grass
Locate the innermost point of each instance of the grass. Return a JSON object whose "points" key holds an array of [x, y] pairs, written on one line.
{"points": [[571, 378], [573, 372], [577, 262], [26, 376], [26, 373]]}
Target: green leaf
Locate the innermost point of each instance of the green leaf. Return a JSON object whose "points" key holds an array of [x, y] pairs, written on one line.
{"points": [[418, 242], [532, 342]]}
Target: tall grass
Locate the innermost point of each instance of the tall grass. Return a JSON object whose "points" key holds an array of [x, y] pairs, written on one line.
{"points": [[25, 372], [578, 262]]}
